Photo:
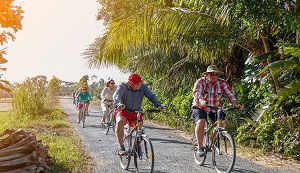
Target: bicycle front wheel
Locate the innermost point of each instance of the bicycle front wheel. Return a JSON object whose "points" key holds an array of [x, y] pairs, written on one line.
{"points": [[144, 154], [106, 126], [83, 114], [224, 152], [125, 159]]}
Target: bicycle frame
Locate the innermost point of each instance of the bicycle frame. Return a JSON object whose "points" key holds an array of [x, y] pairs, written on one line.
{"points": [[216, 142], [137, 128]]}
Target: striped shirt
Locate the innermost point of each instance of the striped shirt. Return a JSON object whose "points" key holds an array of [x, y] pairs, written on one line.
{"points": [[211, 92]]}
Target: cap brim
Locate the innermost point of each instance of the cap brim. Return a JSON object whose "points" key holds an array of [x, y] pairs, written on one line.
{"points": [[205, 73]]}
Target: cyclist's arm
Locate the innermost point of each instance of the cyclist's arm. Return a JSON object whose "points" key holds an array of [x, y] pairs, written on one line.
{"points": [[118, 96], [149, 94], [230, 95], [78, 97], [103, 94], [89, 97], [198, 92]]}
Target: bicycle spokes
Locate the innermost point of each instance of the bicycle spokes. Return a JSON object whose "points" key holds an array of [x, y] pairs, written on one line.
{"points": [[144, 155], [224, 152]]}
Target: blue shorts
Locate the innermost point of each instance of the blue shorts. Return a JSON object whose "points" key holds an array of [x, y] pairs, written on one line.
{"points": [[198, 113]]}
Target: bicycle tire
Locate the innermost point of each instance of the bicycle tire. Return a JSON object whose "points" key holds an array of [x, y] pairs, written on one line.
{"points": [[125, 159], [109, 124], [105, 127], [144, 154], [199, 160], [224, 152], [83, 118]]}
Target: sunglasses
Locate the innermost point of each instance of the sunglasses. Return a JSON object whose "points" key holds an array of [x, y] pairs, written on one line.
{"points": [[111, 83], [214, 74]]}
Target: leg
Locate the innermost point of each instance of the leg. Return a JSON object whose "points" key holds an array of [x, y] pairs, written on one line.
{"points": [[199, 131], [120, 121], [79, 115], [87, 108], [199, 116], [105, 113], [222, 119]]}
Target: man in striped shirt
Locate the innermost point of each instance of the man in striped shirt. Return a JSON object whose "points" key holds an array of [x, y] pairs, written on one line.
{"points": [[207, 93]]}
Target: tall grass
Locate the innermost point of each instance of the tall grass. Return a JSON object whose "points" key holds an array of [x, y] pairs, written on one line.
{"points": [[29, 98]]}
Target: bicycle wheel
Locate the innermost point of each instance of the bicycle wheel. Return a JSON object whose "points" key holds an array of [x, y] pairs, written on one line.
{"points": [[106, 126], [125, 159], [83, 117], [199, 160], [144, 154], [224, 152]]}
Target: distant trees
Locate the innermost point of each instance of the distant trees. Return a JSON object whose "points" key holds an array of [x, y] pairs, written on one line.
{"points": [[53, 86]]}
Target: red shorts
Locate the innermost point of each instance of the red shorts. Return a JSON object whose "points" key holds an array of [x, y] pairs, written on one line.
{"points": [[130, 116]]}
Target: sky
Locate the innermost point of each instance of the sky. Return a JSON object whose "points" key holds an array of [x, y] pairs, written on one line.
{"points": [[54, 35]]}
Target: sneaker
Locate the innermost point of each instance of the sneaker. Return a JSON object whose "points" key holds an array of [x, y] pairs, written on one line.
{"points": [[200, 152], [122, 151]]}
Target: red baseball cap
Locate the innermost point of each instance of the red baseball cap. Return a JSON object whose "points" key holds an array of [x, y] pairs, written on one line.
{"points": [[135, 78]]}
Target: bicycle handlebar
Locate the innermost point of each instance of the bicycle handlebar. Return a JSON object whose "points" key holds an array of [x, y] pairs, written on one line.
{"points": [[222, 109], [150, 111], [83, 100]]}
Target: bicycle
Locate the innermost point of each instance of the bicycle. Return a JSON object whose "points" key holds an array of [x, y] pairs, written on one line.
{"points": [[220, 143], [83, 113], [111, 123], [138, 145]]}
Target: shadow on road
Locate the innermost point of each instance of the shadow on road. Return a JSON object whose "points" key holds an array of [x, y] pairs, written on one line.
{"points": [[169, 141], [154, 171], [158, 128], [243, 170]]}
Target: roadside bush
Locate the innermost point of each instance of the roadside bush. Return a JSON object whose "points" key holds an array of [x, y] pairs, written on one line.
{"points": [[29, 98]]}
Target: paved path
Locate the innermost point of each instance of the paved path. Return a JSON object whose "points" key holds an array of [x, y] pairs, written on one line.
{"points": [[172, 151]]}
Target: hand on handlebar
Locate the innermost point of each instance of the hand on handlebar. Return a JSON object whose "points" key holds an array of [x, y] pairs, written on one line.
{"points": [[121, 107], [202, 102], [161, 107], [240, 106]]}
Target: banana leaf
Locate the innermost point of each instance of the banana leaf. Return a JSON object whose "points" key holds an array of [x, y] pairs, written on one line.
{"points": [[266, 55]]}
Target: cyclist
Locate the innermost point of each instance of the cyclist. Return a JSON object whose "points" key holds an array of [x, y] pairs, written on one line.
{"points": [[107, 99], [207, 93], [128, 99], [74, 97], [83, 98]]}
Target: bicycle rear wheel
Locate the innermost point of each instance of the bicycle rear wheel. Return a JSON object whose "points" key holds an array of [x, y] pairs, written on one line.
{"points": [[125, 159], [224, 152], [144, 154], [199, 160]]}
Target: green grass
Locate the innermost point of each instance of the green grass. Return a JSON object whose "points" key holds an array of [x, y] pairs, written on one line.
{"points": [[55, 131]]}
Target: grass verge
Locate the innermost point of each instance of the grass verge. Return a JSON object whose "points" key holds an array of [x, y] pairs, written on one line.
{"points": [[54, 130]]}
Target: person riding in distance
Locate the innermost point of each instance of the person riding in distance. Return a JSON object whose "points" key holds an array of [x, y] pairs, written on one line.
{"points": [[82, 97], [207, 94], [107, 99], [128, 99]]}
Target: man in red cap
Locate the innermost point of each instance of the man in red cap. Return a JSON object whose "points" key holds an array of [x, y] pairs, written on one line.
{"points": [[128, 99]]}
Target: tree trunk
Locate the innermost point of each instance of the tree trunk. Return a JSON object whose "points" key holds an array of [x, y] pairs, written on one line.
{"points": [[298, 36], [275, 81]]}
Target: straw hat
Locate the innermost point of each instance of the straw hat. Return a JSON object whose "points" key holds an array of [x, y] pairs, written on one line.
{"points": [[212, 69]]}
